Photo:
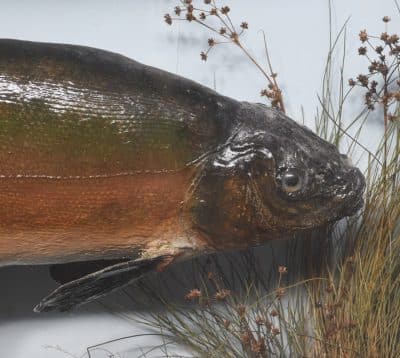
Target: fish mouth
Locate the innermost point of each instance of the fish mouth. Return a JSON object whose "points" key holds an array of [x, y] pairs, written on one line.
{"points": [[352, 193]]}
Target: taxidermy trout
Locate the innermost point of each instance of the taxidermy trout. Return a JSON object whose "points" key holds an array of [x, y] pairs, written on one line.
{"points": [[127, 168]]}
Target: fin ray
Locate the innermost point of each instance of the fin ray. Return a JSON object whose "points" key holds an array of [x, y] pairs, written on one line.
{"points": [[98, 284]]}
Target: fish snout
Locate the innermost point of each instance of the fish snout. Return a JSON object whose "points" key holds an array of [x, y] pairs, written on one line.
{"points": [[346, 160], [352, 184]]}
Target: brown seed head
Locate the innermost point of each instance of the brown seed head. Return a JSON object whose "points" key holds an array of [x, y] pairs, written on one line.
{"points": [[207, 2], [352, 83], [235, 37], [368, 101], [227, 323], [221, 295], [274, 313], [203, 56], [393, 39], [258, 346], [373, 67], [280, 292], [396, 96], [245, 338], [222, 30], [225, 9], [244, 25], [213, 11], [282, 270], [269, 94], [386, 19], [268, 325], [177, 10], [202, 16], [364, 82], [275, 331], [193, 294], [190, 8], [363, 35], [385, 37], [168, 19], [275, 102], [395, 50], [190, 17], [211, 42], [362, 50], [260, 321], [378, 49], [241, 310], [383, 69], [373, 85]]}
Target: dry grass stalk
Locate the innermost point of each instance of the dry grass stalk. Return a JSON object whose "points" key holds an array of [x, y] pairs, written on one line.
{"points": [[218, 21]]}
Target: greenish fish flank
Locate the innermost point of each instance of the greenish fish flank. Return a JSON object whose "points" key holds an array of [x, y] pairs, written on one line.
{"points": [[93, 141], [91, 145]]}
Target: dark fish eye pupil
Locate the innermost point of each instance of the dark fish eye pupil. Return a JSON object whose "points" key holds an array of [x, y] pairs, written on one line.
{"points": [[291, 179]]}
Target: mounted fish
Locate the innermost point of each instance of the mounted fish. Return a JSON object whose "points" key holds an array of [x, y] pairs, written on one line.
{"points": [[124, 169]]}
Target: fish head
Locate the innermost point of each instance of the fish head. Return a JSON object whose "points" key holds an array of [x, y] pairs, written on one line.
{"points": [[274, 177]]}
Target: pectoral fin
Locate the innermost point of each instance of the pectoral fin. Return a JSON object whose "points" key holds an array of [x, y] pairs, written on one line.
{"points": [[99, 283], [71, 271]]}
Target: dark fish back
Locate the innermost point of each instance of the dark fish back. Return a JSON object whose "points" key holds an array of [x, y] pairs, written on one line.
{"points": [[69, 110]]}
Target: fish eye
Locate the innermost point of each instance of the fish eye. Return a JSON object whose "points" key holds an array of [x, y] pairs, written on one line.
{"points": [[291, 182]]}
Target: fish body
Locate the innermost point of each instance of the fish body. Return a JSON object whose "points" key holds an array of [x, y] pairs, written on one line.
{"points": [[94, 151], [104, 158]]}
